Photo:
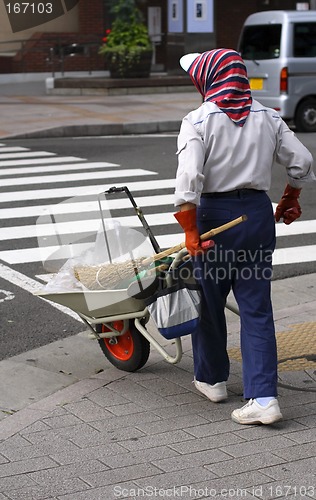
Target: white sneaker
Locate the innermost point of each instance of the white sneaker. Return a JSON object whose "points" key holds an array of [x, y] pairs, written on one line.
{"points": [[215, 393], [253, 413]]}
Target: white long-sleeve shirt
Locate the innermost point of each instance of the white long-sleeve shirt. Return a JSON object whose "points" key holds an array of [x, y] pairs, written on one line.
{"points": [[215, 155]]}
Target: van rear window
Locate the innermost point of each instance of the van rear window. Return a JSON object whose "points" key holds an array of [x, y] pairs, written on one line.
{"points": [[304, 40], [261, 42]]}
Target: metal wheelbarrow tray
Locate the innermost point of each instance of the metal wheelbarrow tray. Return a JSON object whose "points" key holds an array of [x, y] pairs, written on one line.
{"points": [[95, 304], [114, 317]]}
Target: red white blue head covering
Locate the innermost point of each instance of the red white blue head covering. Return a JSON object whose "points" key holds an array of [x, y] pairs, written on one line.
{"points": [[220, 76]]}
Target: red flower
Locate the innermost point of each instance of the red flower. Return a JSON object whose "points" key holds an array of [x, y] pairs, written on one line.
{"points": [[105, 38]]}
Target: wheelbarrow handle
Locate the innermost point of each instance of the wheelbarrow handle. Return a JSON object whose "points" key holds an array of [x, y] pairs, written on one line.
{"points": [[203, 237]]}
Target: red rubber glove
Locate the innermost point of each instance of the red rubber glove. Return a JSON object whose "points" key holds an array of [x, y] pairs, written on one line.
{"points": [[187, 220], [288, 207]]}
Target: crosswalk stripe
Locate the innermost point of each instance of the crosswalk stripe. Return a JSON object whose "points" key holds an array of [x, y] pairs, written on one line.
{"points": [[12, 149], [41, 161], [294, 229], [67, 208], [57, 168], [53, 228], [47, 228], [35, 254], [297, 227], [42, 194], [292, 255], [27, 154], [75, 177]]}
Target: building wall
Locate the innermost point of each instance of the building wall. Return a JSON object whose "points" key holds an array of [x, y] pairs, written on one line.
{"points": [[68, 22], [40, 48], [229, 18], [91, 17]]}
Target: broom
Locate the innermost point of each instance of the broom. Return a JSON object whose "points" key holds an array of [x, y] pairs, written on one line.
{"points": [[107, 276]]}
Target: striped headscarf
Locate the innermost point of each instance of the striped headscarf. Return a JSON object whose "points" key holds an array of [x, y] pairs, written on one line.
{"points": [[220, 76]]}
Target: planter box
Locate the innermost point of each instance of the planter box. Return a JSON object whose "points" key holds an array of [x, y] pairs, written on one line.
{"points": [[128, 69]]}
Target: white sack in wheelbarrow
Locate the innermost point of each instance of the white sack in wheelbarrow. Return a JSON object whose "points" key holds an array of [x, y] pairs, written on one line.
{"points": [[122, 243]]}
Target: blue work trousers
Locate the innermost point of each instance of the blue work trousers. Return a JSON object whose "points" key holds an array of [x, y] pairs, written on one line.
{"points": [[241, 261]]}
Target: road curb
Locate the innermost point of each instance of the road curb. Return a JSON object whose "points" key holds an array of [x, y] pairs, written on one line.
{"points": [[36, 411], [100, 129]]}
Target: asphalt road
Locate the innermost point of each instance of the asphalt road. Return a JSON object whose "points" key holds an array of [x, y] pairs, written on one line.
{"points": [[157, 153], [27, 322]]}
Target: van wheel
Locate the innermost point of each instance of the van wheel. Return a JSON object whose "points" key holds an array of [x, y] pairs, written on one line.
{"points": [[305, 117]]}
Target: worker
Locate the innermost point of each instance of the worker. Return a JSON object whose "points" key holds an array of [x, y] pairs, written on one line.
{"points": [[227, 148]]}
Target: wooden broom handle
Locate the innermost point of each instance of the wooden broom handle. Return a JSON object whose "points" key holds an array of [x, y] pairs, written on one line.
{"points": [[203, 237], [220, 229]]}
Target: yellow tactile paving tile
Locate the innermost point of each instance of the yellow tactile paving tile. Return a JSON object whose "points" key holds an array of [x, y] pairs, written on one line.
{"points": [[296, 348]]}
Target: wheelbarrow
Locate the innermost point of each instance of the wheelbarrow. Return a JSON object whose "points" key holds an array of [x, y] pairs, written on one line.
{"points": [[117, 318]]}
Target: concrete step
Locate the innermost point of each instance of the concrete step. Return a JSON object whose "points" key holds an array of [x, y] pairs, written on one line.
{"points": [[118, 86]]}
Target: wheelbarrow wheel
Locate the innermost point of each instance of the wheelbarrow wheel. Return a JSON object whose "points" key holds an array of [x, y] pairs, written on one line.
{"points": [[128, 352]]}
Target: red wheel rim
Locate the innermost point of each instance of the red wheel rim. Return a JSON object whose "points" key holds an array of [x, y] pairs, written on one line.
{"points": [[124, 347]]}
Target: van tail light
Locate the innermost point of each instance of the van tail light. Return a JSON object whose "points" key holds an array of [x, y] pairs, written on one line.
{"points": [[283, 80]]}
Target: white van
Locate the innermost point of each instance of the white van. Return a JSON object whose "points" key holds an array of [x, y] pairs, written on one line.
{"points": [[279, 50]]}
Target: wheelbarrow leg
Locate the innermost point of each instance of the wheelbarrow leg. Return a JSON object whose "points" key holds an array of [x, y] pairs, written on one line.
{"points": [[171, 359]]}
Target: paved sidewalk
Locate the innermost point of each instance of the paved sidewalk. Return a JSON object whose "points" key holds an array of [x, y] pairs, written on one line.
{"points": [[73, 427], [26, 111], [112, 434]]}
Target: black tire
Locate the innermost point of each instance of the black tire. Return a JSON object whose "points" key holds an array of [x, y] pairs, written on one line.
{"points": [[130, 351], [305, 116]]}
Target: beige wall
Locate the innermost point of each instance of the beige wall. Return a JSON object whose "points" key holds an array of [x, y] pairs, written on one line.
{"points": [[67, 23]]}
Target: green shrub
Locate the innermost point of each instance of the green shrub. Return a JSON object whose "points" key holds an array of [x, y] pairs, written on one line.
{"points": [[127, 40]]}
